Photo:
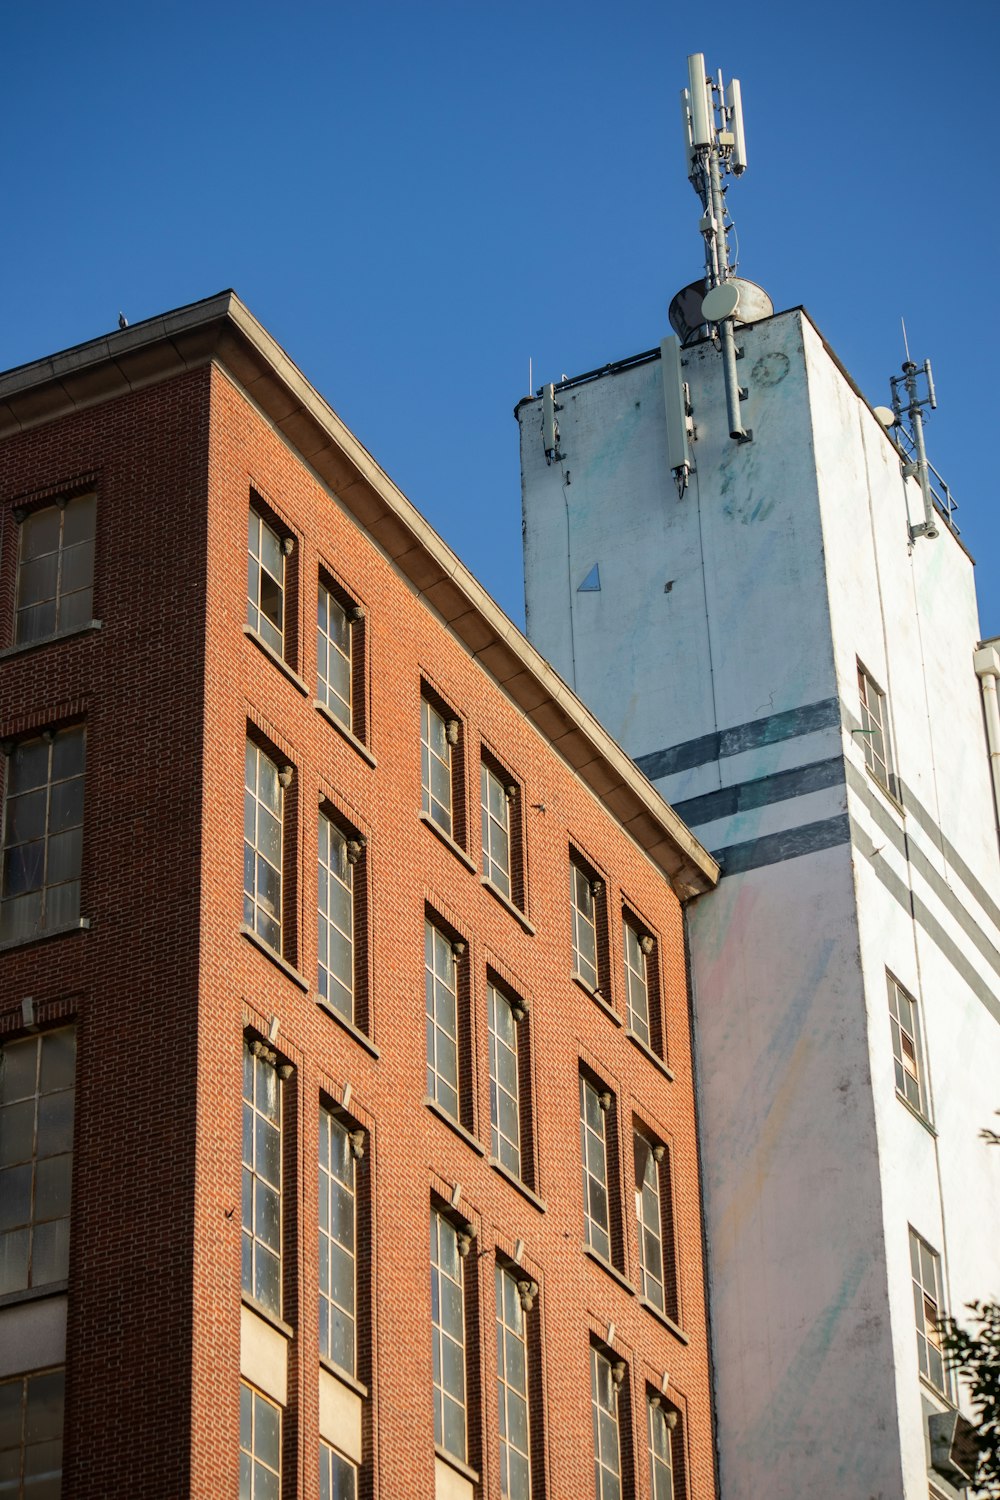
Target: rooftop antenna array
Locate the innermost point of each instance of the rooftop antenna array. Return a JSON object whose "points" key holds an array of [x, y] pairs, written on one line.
{"points": [[905, 425], [714, 139]]}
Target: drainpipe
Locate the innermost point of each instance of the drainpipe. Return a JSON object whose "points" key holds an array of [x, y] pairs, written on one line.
{"points": [[987, 664]]}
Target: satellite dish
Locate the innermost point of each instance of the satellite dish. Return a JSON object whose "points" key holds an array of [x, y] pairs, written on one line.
{"points": [[720, 302], [886, 416]]}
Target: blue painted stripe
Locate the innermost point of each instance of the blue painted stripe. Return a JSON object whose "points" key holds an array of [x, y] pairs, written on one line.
{"points": [[771, 730], [790, 843], [761, 791]]}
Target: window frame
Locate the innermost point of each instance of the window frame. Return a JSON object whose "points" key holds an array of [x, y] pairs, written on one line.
{"points": [[928, 1309], [902, 1032], [348, 714], [516, 1008], [653, 1225], [32, 1163], [508, 1297], [448, 820], [332, 1122], [351, 878], [441, 1222], [285, 545], [441, 950], [666, 1466], [51, 832], [63, 504], [604, 1100], [252, 905], [23, 1379], [502, 875], [588, 887], [613, 1489], [327, 1475], [263, 1063], [256, 1401], [874, 704]]}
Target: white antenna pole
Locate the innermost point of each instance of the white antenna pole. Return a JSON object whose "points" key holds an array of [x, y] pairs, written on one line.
{"points": [[906, 346]]}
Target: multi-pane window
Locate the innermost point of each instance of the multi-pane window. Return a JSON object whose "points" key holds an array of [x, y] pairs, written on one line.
{"points": [[266, 582], [638, 948], [584, 891], [441, 986], [337, 1243], [260, 1446], [263, 801], [336, 916], [333, 657], [448, 1331], [512, 1389], [55, 573], [438, 736], [874, 729], [338, 1477], [595, 1106], [662, 1424], [649, 1219], [261, 1178], [37, 1078], [31, 1429], [505, 1110], [906, 1045], [604, 1408], [43, 834], [925, 1270], [496, 806]]}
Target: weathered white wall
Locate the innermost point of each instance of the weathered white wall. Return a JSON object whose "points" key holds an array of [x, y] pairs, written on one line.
{"points": [[786, 560]]}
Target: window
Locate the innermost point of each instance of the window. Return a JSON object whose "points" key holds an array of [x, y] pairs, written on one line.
{"points": [[438, 738], [338, 1477], [906, 1045], [448, 1328], [497, 800], [338, 1219], [642, 988], [925, 1268], [37, 1078], [260, 1446], [261, 1177], [605, 1381], [595, 1105], [874, 730], [512, 1387], [662, 1426], [334, 656], [441, 958], [263, 809], [339, 854], [657, 1276], [43, 834], [503, 1016], [266, 581], [585, 890], [31, 1429], [55, 571]]}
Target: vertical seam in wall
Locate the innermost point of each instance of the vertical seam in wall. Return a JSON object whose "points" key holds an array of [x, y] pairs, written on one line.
{"points": [[708, 620], [569, 577]]}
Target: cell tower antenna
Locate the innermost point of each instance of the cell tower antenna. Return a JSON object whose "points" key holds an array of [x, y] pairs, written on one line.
{"points": [[715, 143], [906, 342], [907, 402]]}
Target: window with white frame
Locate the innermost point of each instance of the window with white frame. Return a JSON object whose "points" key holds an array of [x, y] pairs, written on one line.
{"points": [[905, 1024], [438, 737], [497, 799], [512, 1388], [448, 1331], [334, 656], [261, 1176], [604, 1388], [338, 1477], [875, 729], [338, 856], [584, 890], [43, 834], [661, 1427], [260, 1446], [338, 1219], [31, 1432], [505, 1105], [37, 1092], [55, 569], [925, 1270], [441, 959], [638, 948], [266, 581], [649, 1219], [263, 813], [595, 1107]]}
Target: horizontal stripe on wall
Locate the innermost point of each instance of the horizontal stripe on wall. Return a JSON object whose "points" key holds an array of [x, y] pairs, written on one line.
{"points": [[790, 843], [771, 730], [761, 791]]}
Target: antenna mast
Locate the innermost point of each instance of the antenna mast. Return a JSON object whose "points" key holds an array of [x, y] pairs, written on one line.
{"points": [[917, 467], [712, 118]]}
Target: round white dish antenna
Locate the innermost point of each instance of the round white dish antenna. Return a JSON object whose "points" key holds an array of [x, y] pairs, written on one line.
{"points": [[720, 302], [886, 416]]}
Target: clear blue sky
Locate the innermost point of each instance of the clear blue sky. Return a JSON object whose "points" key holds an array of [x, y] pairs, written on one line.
{"points": [[416, 197]]}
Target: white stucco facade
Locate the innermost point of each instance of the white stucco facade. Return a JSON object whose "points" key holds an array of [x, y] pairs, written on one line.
{"points": [[719, 640]]}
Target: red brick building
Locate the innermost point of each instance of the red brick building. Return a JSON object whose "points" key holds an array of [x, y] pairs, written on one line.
{"points": [[386, 1181]]}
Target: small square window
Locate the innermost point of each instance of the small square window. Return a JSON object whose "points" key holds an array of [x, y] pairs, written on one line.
{"points": [[875, 730], [55, 571], [266, 555], [904, 1022], [260, 1446], [43, 834]]}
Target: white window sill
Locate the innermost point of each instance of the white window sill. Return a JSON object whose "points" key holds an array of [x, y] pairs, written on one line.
{"points": [[455, 1125], [506, 902], [276, 958], [472, 1475], [285, 1329], [344, 732], [279, 661], [349, 1026], [598, 999], [647, 1051], [889, 796], [515, 1182], [914, 1111], [86, 628], [662, 1317], [344, 1376], [82, 924], [447, 840], [612, 1271]]}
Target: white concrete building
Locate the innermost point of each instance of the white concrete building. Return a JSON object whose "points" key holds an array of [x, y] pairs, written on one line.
{"points": [[847, 970]]}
